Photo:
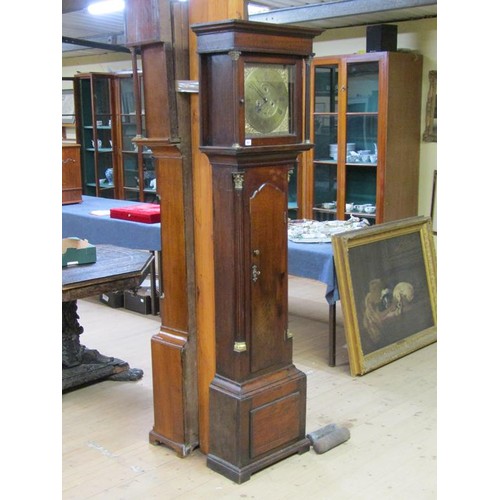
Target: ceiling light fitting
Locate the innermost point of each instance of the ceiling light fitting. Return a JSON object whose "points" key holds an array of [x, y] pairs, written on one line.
{"points": [[106, 7]]}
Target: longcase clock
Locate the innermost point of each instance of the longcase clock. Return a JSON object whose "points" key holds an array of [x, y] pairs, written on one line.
{"points": [[252, 83]]}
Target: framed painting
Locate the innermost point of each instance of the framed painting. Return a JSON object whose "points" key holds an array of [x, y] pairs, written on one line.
{"points": [[430, 133], [387, 284], [434, 204], [68, 106]]}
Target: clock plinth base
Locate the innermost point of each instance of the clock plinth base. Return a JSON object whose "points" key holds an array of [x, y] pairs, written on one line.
{"points": [[257, 423], [242, 474]]}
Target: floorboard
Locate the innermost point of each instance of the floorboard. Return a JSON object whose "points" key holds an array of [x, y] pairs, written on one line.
{"points": [[390, 412]]}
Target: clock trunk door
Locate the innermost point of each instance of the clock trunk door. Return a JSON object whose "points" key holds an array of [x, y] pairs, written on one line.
{"points": [[269, 279]]}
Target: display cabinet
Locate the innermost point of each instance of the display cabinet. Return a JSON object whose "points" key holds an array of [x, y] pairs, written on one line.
{"points": [[366, 134], [111, 115], [96, 106], [135, 162]]}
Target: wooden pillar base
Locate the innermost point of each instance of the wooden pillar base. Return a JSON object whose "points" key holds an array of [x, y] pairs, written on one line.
{"points": [[257, 423], [175, 394], [181, 449]]}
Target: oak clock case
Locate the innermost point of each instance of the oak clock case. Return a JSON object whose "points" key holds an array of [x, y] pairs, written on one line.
{"points": [[251, 89]]}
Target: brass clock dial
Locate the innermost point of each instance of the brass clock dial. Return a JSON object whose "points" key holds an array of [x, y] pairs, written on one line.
{"points": [[267, 99]]}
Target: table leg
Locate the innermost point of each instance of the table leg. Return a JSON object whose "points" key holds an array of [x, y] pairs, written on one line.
{"points": [[81, 365], [332, 332], [152, 275]]}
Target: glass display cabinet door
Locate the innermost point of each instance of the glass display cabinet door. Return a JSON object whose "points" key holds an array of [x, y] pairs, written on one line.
{"points": [[139, 179], [97, 147], [326, 133], [361, 139], [292, 194], [130, 153]]}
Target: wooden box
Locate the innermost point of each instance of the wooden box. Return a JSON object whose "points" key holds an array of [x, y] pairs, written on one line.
{"points": [[148, 213], [139, 301], [112, 299]]}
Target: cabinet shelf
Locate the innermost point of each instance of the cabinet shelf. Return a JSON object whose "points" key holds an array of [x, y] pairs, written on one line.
{"points": [[101, 185], [361, 113], [327, 161], [334, 212], [101, 150], [136, 189]]}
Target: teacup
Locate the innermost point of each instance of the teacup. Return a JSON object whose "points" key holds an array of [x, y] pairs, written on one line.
{"points": [[349, 207], [370, 209]]}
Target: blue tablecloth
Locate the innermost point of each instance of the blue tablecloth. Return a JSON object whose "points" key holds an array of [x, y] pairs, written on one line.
{"points": [[314, 261], [78, 221], [307, 260]]}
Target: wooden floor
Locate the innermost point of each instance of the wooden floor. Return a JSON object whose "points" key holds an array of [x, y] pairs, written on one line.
{"points": [[390, 412]]}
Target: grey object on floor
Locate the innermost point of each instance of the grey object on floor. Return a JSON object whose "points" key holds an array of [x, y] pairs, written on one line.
{"points": [[328, 437]]}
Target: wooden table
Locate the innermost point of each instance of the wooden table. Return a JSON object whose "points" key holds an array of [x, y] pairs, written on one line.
{"points": [[116, 268]]}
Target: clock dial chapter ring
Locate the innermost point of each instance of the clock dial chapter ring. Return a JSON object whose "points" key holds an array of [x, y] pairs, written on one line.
{"points": [[266, 101]]}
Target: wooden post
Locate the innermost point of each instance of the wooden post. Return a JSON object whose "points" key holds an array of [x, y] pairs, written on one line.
{"points": [[202, 11], [160, 31]]}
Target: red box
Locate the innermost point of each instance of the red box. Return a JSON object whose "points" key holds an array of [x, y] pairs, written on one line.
{"points": [[148, 213]]}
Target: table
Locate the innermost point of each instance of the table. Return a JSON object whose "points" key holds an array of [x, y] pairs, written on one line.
{"points": [[306, 260], [79, 221], [116, 268], [315, 261]]}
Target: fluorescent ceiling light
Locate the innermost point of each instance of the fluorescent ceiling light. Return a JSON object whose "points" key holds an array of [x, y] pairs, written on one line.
{"points": [[254, 8], [106, 7]]}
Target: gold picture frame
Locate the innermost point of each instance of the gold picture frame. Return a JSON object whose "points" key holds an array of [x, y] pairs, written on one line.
{"points": [[387, 283]]}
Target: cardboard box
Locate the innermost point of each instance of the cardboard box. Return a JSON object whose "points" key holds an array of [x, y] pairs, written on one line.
{"points": [[139, 301], [148, 213], [77, 251], [112, 299]]}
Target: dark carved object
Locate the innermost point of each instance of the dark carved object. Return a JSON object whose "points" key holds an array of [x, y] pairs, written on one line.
{"points": [[116, 268], [81, 365]]}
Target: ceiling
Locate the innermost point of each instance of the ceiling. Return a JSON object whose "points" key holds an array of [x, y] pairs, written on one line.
{"points": [[102, 34]]}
